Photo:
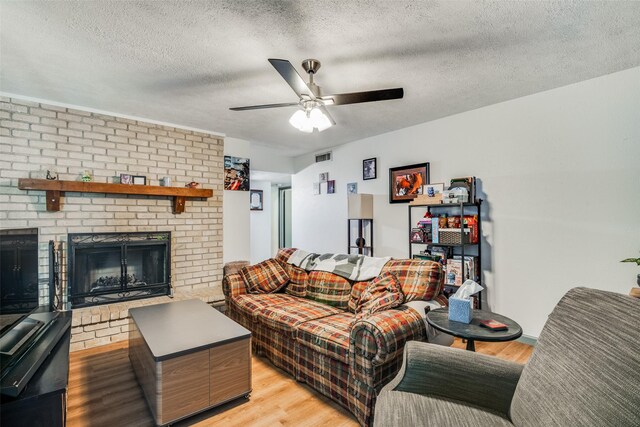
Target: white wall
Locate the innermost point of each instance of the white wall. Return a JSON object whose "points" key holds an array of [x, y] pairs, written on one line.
{"points": [[235, 218], [269, 159], [560, 174], [260, 233]]}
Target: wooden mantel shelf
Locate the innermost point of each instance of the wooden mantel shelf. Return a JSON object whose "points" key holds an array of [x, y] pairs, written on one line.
{"points": [[55, 190]]}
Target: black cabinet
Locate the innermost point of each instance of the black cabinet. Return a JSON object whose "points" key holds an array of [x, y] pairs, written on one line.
{"points": [[43, 401], [455, 243]]}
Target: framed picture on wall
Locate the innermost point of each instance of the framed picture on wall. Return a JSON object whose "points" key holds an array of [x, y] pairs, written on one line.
{"points": [[352, 188], [369, 169], [405, 182], [236, 173], [331, 186], [255, 200]]}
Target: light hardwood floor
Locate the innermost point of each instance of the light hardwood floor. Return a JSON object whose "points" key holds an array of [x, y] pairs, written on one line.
{"points": [[103, 392]]}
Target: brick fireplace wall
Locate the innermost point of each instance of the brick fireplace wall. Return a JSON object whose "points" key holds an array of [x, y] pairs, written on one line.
{"points": [[35, 137]]}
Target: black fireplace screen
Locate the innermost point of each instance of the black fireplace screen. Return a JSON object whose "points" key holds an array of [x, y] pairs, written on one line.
{"points": [[112, 267]]}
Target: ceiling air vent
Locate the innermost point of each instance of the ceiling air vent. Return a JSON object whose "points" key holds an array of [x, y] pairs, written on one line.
{"points": [[323, 157]]}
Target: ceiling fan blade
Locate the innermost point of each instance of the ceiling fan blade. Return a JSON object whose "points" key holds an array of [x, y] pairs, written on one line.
{"points": [[370, 96], [326, 112], [292, 77], [260, 107]]}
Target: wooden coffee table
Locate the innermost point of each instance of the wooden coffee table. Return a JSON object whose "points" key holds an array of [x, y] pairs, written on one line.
{"points": [[188, 357], [439, 319]]}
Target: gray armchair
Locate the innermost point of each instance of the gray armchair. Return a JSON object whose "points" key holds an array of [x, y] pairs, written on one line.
{"points": [[584, 371]]}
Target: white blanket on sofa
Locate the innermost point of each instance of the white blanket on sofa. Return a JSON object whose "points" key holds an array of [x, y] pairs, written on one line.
{"points": [[353, 267]]}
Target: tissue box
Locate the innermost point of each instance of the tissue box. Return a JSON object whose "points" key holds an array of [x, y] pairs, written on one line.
{"points": [[460, 310]]}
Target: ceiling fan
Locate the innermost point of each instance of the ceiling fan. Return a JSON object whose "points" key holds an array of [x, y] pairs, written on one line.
{"points": [[313, 103]]}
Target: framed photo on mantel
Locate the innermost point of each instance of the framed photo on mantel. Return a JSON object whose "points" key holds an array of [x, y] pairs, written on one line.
{"points": [[405, 182]]}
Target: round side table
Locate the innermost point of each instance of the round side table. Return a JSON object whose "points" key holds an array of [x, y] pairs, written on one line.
{"points": [[439, 319]]}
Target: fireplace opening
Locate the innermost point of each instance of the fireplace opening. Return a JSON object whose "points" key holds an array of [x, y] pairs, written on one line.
{"points": [[113, 267]]}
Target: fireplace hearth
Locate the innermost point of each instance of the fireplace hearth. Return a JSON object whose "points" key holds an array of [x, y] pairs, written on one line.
{"points": [[113, 267]]}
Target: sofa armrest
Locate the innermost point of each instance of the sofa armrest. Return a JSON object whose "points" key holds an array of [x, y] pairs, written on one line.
{"points": [[233, 285], [379, 338], [457, 374]]}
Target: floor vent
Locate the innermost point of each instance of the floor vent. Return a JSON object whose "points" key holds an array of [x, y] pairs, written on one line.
{"points": [[323, 157]]}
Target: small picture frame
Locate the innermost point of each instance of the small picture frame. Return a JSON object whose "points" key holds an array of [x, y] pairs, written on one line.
{"points": [[255, 200], [431, 190], [126, 179], [316, 188], [369, 169], [331, 187], [352, 188], [324, 177], [139, 180]]}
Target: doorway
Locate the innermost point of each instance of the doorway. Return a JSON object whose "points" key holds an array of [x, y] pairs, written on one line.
{"points": [[284, 217]]}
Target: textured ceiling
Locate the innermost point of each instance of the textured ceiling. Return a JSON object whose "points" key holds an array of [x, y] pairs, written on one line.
{"points": [[187, 62]]}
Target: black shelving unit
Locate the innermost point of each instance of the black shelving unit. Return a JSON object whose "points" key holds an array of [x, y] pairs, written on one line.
{"points": [[454, 249], [360, 232]]}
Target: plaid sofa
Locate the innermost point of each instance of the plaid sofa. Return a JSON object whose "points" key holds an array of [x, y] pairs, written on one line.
{"points": [[323, 345]]}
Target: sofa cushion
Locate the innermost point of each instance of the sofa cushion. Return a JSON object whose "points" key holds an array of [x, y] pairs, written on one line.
{"points": [[286, 317], [284, 254], [264, 278], [382, 293], [297, 280], [329, 289], [252, 304], [328, 335], [419, 279], [356, 292]]}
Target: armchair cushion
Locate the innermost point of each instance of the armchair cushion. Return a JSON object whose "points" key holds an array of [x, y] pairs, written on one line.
{"points": [[584, 369], [382, 293], [459, 375], [397, 408], [264, 278]]}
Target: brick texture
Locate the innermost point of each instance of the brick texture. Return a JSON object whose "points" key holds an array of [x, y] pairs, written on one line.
{"points": [[35, 137]]}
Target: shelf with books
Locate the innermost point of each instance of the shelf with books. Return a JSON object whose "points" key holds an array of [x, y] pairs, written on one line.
{"points": [[464, 224]]}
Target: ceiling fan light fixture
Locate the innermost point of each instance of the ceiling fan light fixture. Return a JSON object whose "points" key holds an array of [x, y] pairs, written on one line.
{"points": [[307, 127], [319, 120], [298, 119], [308, 119]]}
